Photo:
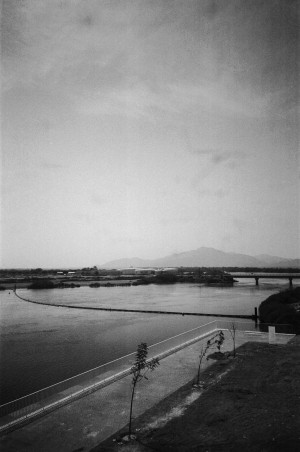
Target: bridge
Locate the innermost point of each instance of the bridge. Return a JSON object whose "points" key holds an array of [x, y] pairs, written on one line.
{"points": [[257, 276]]}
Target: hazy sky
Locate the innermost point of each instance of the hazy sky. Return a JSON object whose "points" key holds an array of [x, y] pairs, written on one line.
{"points": [[145, 128]]}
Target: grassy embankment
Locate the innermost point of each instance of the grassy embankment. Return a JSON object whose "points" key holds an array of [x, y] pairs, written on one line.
{"points": [[282, 308]]}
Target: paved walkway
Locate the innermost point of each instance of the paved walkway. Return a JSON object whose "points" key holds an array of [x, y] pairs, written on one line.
{"points": [[84, 423]]}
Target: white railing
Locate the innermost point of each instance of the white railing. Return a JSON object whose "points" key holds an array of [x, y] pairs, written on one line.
{"points": [[21, 410], [63, 392]]}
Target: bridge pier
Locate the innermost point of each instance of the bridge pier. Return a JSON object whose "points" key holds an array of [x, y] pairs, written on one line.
{"points": [[257, 276]]}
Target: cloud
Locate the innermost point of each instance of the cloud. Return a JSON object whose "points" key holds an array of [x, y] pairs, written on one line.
{"points": [[223, 96], [99, 200], [241, 225], [209, 162], [178, 219], [214, 193], [132, 101], [86, 219], [227, 239], [219, 156], [143, 58], [52, 42], [140, 98], [52, 166], [126, 239]]}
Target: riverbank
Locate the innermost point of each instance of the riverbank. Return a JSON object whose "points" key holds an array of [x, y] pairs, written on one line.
{"points": [[71, 283], [88, 422], [114, 278], [250, 404]]}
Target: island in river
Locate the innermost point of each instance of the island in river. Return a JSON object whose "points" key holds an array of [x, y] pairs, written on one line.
{"points": [[50, 279]]}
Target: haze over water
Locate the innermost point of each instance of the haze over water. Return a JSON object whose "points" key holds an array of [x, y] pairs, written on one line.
{"points": [[43, 345]]}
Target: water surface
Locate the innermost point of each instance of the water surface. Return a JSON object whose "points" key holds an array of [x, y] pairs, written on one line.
{"points": [[41, 345]]}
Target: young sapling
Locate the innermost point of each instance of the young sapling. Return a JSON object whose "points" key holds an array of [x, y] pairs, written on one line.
{"points": [[217, 340], [138, 371]]}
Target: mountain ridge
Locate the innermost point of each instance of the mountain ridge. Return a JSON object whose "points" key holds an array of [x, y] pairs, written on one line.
{"points": [[206, 257]]}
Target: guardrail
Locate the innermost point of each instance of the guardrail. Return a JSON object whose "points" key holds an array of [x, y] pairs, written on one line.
{"points": [[251, 326], [56, 395], [22, 410]]}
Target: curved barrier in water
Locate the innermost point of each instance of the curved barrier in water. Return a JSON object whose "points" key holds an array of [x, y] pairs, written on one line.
{"points": [[235, 316]]}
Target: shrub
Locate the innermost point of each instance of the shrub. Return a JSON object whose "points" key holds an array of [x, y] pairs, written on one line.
{"points": [[278, 308], [42, 284]]}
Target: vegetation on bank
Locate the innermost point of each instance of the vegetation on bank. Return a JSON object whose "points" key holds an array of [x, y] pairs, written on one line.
{"points": [[48, 284], [281, 308], [54, 278], [29, 274], [42, 284]]}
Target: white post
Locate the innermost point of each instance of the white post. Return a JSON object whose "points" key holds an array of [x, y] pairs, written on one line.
{"points": [[272, 335]]}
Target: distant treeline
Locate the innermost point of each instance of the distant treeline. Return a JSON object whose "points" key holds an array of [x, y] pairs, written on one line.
{"points": [[39, 271], [47, 284], [183, 274]]}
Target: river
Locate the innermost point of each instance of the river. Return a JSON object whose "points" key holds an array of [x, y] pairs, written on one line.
{"points": [[41, 345]]}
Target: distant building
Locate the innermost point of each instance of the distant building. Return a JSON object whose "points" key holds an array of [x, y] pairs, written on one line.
{"points": [[144, 271], [167, 270], [127, 271]]}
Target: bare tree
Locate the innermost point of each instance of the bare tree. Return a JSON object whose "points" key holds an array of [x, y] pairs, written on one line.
{"points": [[139, 370], [232, 330], [217, 340]]}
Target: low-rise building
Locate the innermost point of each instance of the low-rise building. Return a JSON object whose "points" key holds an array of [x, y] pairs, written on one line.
{"points": [[127, 271], [145, 271], [167, 270]]}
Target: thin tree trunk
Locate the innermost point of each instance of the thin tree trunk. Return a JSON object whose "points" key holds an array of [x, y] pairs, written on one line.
{"points": [[198, 375], [234, 346], [131, 405]]}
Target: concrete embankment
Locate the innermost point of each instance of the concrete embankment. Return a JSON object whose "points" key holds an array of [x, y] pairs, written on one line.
{"points": [[88, 421]]}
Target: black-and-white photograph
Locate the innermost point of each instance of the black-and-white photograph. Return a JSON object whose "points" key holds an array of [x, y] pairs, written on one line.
{"points": [[150, 226]]}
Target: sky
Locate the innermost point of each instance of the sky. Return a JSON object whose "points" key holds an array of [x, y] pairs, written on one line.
{"points": [[143, 128]]}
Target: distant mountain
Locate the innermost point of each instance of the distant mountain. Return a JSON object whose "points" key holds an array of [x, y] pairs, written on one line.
{"points": [[205, 257], [288, 263], [270, 260], [280, 262], [126, 263]]}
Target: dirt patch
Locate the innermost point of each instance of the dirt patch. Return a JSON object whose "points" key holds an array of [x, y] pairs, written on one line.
{"points": [[250, 403]]}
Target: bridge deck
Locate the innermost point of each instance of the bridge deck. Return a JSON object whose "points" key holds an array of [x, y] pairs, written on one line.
{"points": [[266, 275]]}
